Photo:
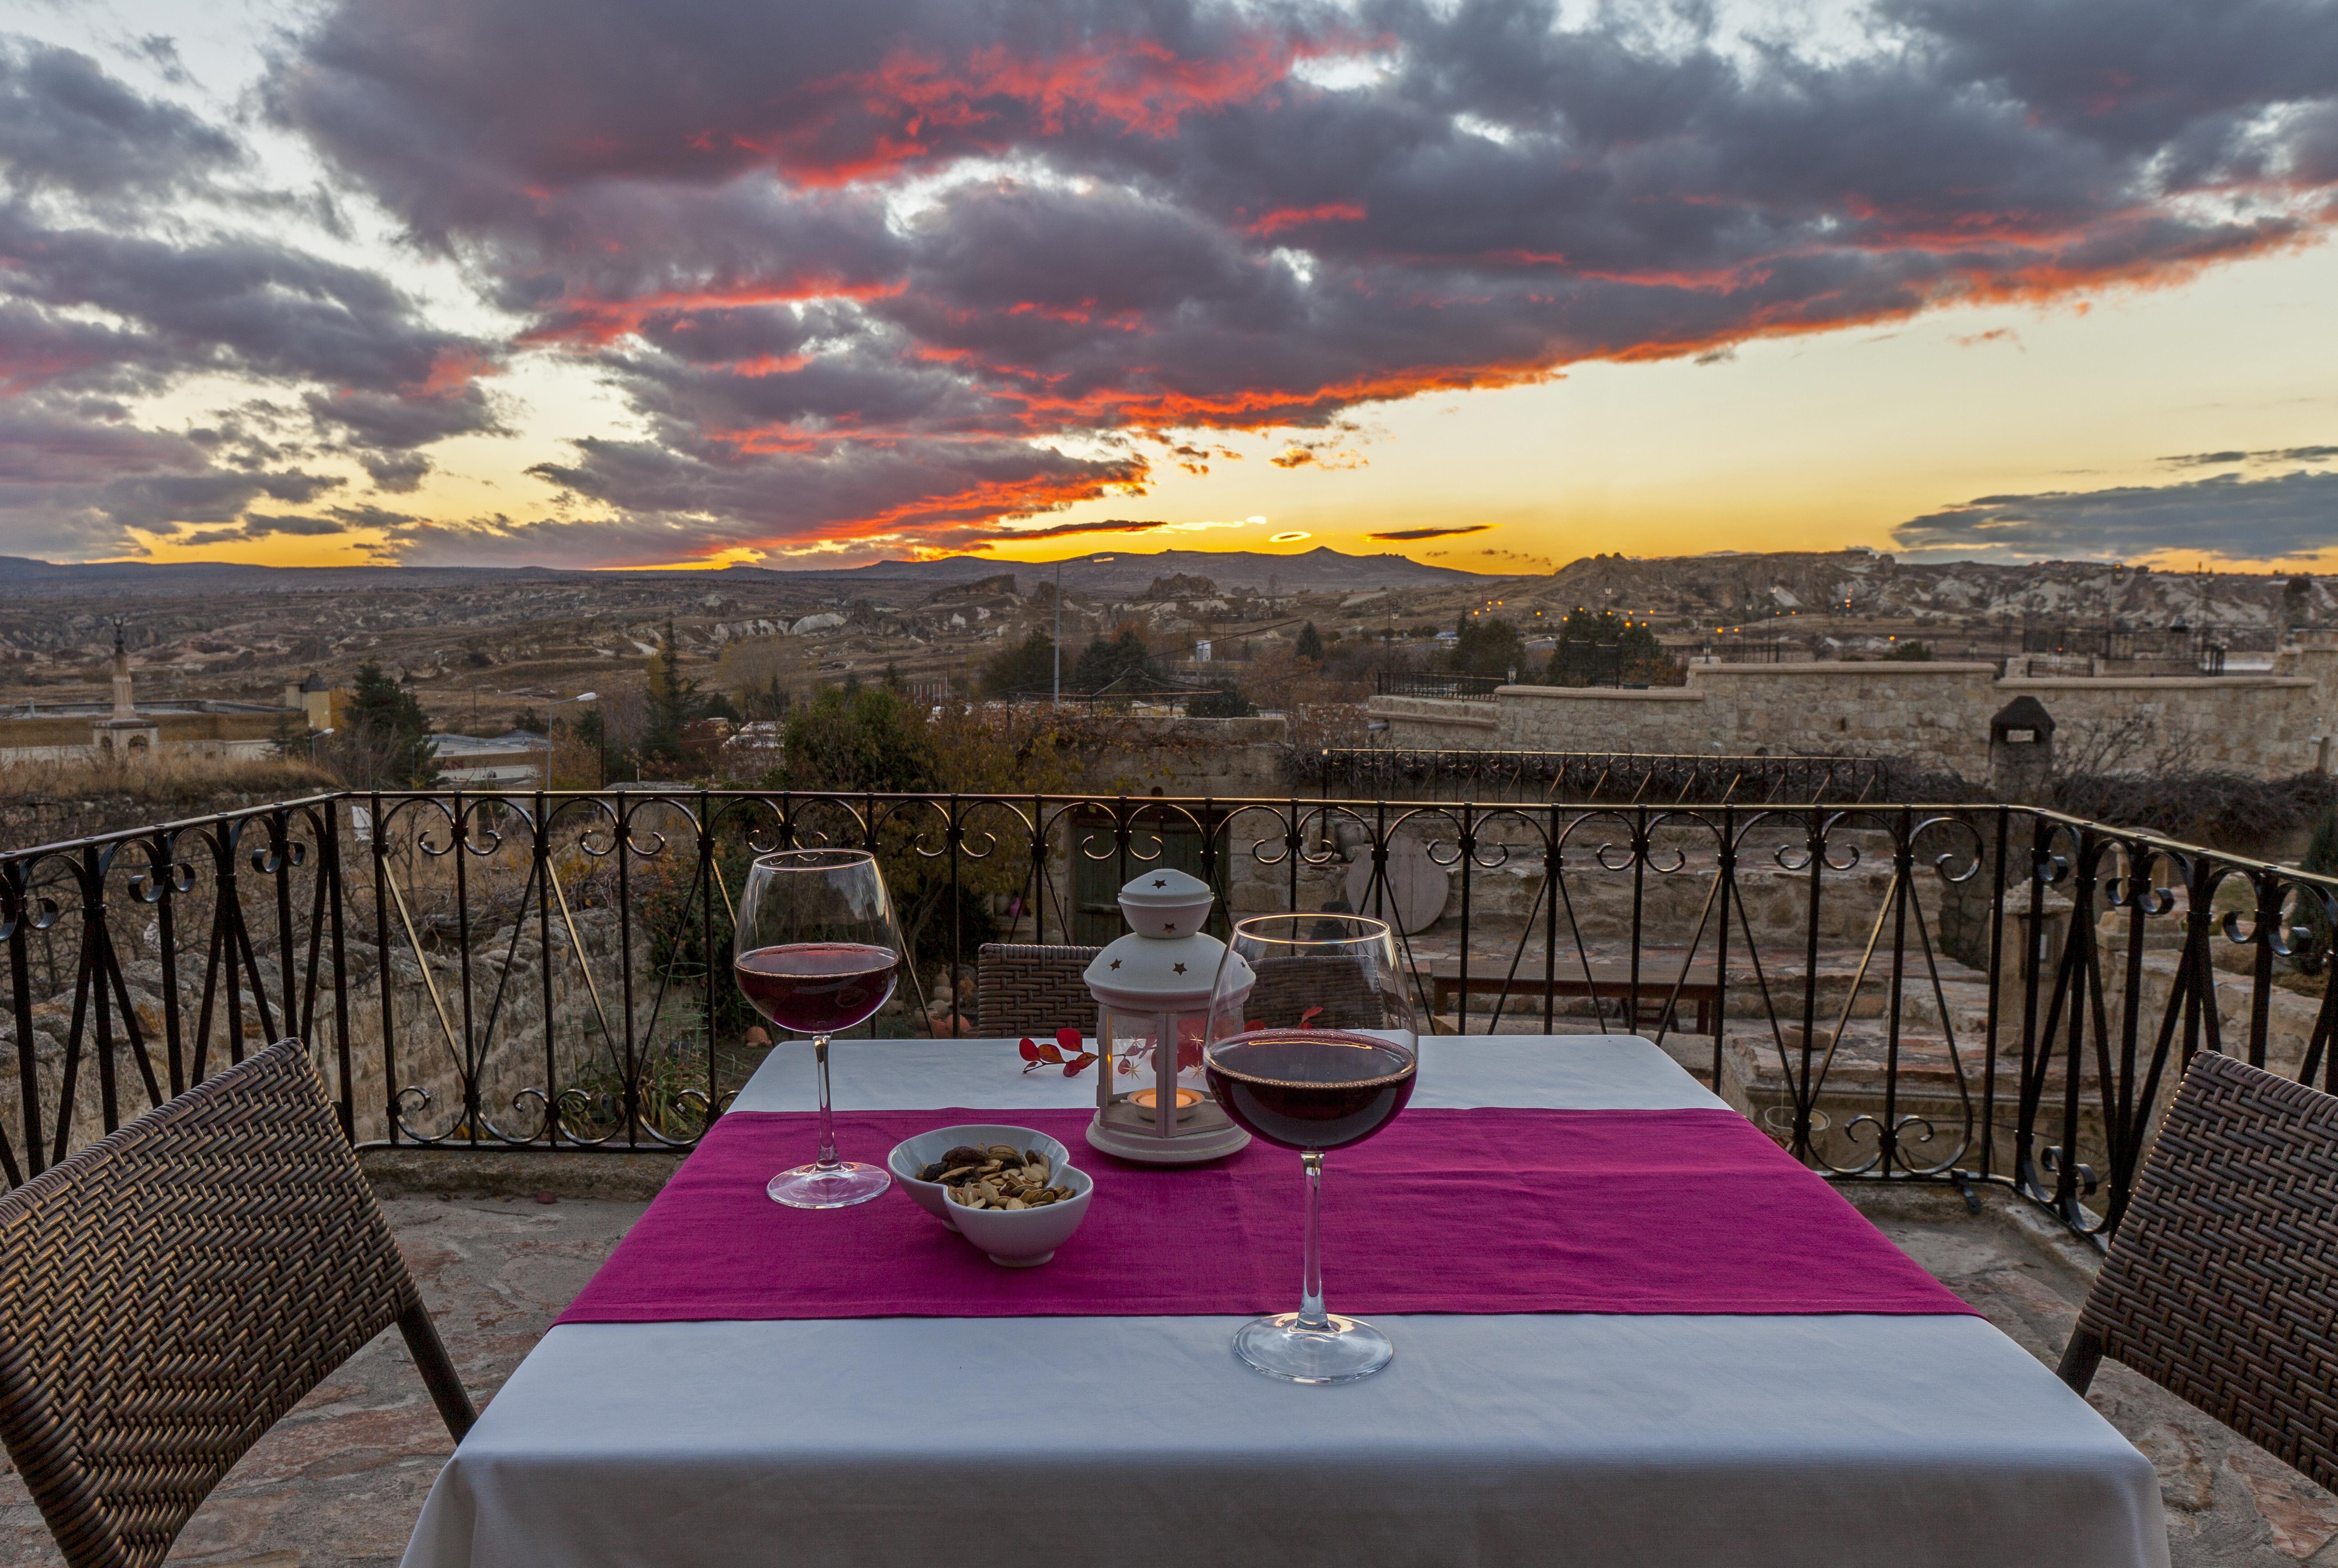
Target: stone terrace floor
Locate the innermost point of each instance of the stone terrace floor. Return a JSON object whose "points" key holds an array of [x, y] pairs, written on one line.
{"points": [[341, 1480]]}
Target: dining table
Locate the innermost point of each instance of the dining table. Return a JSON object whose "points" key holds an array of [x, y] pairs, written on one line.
{"points": [[743, 1384]]}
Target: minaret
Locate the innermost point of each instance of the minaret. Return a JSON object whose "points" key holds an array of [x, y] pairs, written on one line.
{"points": [[123, 708], [126, 731]]}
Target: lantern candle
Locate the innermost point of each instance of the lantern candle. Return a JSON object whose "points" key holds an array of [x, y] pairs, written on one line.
{"points": [[1152, 989]]}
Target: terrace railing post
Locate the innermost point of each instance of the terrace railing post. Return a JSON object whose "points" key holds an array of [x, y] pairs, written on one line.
{"points": [[1640, 851], [954, 836], [1805, 1094], [1996, 863], [619, 807], [2267, 938], [474, 1110], [329, 869], [1292, 841], [163, 852], [1904, 888], [227, 922], [378, 836], [540, 874], [16, 908], [279, 851], [1469, 855], [2033, 1077], [707, 964], [1552, 859], [1724, 873]]}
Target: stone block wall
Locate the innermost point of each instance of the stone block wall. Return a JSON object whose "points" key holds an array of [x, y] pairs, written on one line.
{"points": [[1935, 713]]}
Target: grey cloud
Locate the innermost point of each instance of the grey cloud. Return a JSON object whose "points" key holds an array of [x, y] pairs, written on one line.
{"points": [[65, 123], [396, 473], [125, 275], [1185, 234], [261, 526], [2240, 519], [2271, 454]]}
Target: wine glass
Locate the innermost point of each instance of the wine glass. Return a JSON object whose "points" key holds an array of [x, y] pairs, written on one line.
{"points": [[1311, 1046], [817, 950]]}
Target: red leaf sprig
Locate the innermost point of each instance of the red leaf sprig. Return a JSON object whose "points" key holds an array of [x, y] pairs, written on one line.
{"points": [[1036, 1055]]}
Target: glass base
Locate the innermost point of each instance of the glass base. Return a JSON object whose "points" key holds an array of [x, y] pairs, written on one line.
{"points": [[838, 1186], [1278, 1347]]}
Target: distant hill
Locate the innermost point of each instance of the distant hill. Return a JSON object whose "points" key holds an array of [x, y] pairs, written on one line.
{"points": [[1129, 571], [1731, 587], [1319, 570]]}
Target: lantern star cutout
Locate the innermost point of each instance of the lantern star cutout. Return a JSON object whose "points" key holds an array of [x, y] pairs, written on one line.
{"points": [[1116, 963], [1168, 925], [1179, 967], [1161, 881]]}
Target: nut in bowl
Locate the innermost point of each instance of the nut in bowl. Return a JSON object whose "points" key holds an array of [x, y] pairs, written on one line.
{"points": [[1027, 1238], [911, 1159]]}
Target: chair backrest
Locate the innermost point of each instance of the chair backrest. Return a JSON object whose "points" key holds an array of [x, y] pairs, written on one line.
{"points": [[1030, 988], [2223, 1280], [168, 1293], [1308, 992]]}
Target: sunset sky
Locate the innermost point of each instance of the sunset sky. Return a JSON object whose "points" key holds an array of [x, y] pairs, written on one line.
{"points": [[1495, 283]]}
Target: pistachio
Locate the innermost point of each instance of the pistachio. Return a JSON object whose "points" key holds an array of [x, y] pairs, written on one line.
{"points": [[997, 1177]]}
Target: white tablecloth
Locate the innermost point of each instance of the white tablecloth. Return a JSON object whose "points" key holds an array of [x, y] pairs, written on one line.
{"points": [[1129, 1443]]}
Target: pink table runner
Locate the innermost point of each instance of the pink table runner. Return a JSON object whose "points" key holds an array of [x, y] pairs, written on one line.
{"points": [[1475, 1212]]}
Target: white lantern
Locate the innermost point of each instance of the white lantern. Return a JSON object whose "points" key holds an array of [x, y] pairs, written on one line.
{"points": [[1152, 989]]}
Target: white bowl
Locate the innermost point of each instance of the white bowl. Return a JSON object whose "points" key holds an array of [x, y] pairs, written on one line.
{"points": [[1027, 1238], [913, 1155]]}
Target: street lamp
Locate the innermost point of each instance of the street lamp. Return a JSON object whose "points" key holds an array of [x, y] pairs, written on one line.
{"points": [[600, 739]]}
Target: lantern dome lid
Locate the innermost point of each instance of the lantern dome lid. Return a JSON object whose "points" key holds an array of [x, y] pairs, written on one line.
{"points": [[1167, 903], [1168, 960]]}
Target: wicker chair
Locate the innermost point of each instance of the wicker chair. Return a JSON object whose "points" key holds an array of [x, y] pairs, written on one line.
{"points": [[167, 1294], [1320, 993], [2221, 1285], [1029, 988]]}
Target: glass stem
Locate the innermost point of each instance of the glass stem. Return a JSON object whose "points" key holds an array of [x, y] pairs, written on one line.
{"points": [[827, 1160], [1310, 1289]]}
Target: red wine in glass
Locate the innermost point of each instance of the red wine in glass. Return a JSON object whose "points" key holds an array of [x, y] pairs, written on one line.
{"points": [[1311, 1090], [816, 949], [817, 987]]}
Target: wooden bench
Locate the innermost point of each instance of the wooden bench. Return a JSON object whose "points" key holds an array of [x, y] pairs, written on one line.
{"points": [[1701, 991]]}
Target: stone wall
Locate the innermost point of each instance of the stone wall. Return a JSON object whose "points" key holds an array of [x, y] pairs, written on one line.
{"points": [[1935, 713]]}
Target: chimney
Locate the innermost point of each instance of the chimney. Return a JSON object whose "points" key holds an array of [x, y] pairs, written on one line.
{"points": [[2021, 753]]}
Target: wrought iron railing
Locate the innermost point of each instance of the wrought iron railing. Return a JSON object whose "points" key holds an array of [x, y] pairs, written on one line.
{"points": [[1446, 688], [1390, 772], [1956, 994]]}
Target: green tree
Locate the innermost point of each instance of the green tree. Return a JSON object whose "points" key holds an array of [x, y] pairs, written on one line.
{"points": [[1601, 646], [1122, 659], [1221, 701], [383, 740], [1912, 653], [767, 701], [1026, 666], [1310, 645], [1485, 645], [675, 701], [871, 739]]}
